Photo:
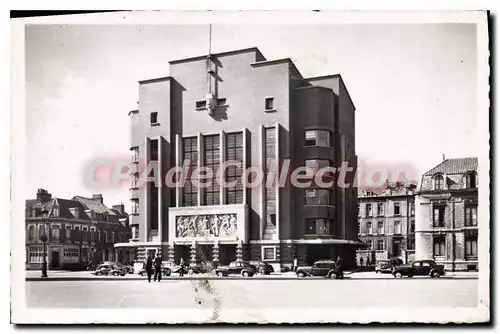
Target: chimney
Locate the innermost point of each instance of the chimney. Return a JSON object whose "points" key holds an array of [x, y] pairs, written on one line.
{"points": [[119, 207], [444, 157], [43, 196], [98, 197]]}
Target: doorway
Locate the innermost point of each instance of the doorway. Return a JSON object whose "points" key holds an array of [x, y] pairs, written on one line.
{"points": [[396, 248], [227, 254], [182, 252], [54, 260]]}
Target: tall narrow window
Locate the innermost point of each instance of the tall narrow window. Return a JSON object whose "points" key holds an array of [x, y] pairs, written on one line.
{"points": [[380, 228], [380, 245], [270, 169], [211, 159], [369, 228], [154, 150], [368, 210], [153, 118], [397, 209], [380, 209], [397, 227], [439, 246], [234, 153], [190, 156], [154, 206], [470, 180], [471, 246], [438, 217], [470, 215]]}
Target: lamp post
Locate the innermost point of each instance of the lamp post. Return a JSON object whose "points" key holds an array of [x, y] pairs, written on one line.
{"points": [[43, 238]]}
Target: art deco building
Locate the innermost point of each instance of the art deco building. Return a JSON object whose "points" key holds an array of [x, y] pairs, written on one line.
{"points": [[446, 215], [240, 106]]}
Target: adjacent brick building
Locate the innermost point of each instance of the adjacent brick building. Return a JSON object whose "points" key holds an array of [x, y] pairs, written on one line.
{"points": [[239, 106], [386, 219], [446, 214], [79, 230]]}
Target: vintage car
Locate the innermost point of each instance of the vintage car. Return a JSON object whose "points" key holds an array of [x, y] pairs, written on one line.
{"points": [[325, 268], [109, 269], [419, 268], [263, 267], [386, 266], [242, 268]]}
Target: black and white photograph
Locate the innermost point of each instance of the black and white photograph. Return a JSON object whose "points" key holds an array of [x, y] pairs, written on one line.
{"points": [[267, 167]]}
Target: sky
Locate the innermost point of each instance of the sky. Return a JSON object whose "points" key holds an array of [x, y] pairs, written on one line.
{"points": [[413, 85]]}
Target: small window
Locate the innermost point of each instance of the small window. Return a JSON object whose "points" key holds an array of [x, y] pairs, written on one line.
{"points": [[269, 103], [154, 118], [439, 182], [221, 102], [380, 245], [471, 246], [368, 228], [397, 227], [268, 253], [380, 228], [426, 264], [380, 209], [471, 215], [201, 104], [397, 209], [470, 181], [368, 210], [370, 244]]}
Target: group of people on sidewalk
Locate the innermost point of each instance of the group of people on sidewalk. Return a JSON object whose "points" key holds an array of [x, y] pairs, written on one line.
{"points": [[153, 267]]}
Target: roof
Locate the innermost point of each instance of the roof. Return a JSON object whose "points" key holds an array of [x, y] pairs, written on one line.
{"points": [[220, 54], [454, 166], [66, 204], [94, 205]]}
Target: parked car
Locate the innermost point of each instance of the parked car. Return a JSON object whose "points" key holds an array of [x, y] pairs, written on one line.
{"points": [[419, 268], [118, 270], [387, 266], [263, 267], [325, 268], [104, 269], [242, 268]]}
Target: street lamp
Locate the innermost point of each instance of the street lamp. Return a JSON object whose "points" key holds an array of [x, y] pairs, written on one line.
{"points": [[44, 240]]}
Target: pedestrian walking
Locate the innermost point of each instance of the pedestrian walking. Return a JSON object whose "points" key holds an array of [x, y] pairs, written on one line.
{"points": [[295, 264], [149, 267], [368, 262], [340, 267], [181, 270], [361, 262], [157, 263]]}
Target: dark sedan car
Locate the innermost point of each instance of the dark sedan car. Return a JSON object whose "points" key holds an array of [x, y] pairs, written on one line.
{"points": [[242, 268], [419, 268], [262, 267], [325, 268]]}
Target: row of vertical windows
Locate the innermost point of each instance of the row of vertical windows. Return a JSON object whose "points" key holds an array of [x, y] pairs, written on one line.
{"points": [[190, 154], [211, 159], [234, 152], [270, 161]]}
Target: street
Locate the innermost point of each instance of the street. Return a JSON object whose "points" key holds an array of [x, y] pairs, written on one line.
{"points": [[253, 294]]}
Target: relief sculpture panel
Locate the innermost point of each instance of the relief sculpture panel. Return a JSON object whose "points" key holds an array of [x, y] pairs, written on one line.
{"points": [[210, 226]]}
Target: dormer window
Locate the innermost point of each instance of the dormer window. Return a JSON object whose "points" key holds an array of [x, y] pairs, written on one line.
{"points": [[439, 182], [470, 180]]}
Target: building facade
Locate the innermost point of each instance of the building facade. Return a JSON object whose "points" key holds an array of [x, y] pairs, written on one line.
{"points": [[264, 114], [446, 215], [386, 219], [78, 231]]}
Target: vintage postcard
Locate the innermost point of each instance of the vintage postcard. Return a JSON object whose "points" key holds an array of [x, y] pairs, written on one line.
{"points": [[250, 167]]}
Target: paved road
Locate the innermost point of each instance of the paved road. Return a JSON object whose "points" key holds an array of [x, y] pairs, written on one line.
{"points": [[254, 294]]}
